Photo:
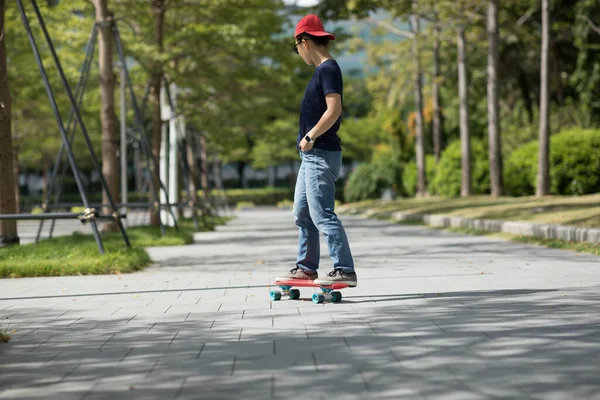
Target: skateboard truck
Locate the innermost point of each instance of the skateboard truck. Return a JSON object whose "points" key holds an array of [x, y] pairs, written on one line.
{"points": [[328, 292]]}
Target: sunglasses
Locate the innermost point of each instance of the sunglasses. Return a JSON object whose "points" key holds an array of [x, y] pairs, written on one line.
{"points": [[296, 46]]}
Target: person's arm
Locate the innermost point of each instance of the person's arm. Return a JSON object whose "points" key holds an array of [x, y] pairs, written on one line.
{"points": [[333, 112]]}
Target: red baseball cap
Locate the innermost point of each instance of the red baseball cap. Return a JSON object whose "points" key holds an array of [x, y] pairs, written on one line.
{"points": [[312, 25]]}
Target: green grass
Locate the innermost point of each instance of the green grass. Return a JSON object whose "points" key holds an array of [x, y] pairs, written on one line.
{"points": [[78, 254], [580, 211], [73, 255], [580, 247]]}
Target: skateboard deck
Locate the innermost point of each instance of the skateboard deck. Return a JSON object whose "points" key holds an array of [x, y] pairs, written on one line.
{"points": [[328, 292]]}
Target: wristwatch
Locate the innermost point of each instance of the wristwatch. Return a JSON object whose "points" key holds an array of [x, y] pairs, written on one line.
{"points": [[308, 139]]}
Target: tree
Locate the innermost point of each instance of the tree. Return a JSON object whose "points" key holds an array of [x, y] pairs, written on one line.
{"points": [[110, 147], [495, 144], [463, 94], [418, 88], [437, 112], [543, 175], [8, 202], [159, 8]]}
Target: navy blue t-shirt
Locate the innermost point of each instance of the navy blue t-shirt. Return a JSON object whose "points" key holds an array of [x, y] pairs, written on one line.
{"points": [[326, 79]]}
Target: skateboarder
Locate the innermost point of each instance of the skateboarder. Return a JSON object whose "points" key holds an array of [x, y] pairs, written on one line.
{"points": [[321, 154]]}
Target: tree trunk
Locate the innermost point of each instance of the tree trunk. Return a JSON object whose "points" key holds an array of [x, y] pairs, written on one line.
{"points": [[560, 92], [158, 8], [419, 143], [17, 172], [463, 93], [241, 165], [108, 119], [8, 201], [543, 177], [46, 171], [193, 178], [437, 112], [495, 144], [204, 168], [525, 93]]}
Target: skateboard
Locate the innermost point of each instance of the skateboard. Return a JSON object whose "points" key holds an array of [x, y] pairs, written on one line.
{"points": [[328, 292]]}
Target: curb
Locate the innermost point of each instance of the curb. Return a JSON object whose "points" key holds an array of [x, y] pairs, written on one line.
{"points": [[542, 231]]}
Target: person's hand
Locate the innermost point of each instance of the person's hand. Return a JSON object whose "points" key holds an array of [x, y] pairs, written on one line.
{"points": [[306, 146]]}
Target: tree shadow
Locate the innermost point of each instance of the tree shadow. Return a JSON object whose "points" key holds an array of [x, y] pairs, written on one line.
{"points": [[492, 344]]}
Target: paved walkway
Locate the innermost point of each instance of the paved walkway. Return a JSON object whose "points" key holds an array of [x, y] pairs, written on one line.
{"points": [[436, 316]]}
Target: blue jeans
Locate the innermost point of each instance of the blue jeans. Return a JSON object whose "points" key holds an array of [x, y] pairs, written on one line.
{"points": [[314, 201]]}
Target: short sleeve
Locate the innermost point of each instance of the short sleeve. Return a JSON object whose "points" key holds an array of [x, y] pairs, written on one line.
{"points": [[331, 80]]}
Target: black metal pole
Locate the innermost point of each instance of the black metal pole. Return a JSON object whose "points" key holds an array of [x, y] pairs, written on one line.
{"points": [[61, 127], [141, 131], [55, 184], [59, 215], [80, 121]]}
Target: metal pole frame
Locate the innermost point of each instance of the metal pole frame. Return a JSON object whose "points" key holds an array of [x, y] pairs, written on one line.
{"points": [[55, 184], [80, 91], [58, 117], [115, 211], [141, 131]]}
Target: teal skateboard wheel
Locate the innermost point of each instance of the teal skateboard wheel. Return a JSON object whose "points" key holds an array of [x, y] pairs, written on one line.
{"points": [[294, 294]]}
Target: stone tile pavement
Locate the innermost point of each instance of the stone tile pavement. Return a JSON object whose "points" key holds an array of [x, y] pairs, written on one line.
{"points": [[436, 315]]}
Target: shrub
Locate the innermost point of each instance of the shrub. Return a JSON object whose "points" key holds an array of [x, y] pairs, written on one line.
{"points": [[409, 176], [368, 181], [264, 196], [574, 164], [447, 181], [520, 170]]}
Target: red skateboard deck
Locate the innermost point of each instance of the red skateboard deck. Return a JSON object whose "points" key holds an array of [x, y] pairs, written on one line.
{"points": [[329, 292]]}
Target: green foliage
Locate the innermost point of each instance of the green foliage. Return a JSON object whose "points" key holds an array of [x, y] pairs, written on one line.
{"points": [[359, 137], [520, 170], [264, 196], [71, 255], [409, 176], [368, 181], [77, 254], [447, 181], [574, 164]]}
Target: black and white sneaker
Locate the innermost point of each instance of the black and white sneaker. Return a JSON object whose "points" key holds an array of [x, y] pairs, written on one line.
{"points": [[298, 273], [338, 276]]}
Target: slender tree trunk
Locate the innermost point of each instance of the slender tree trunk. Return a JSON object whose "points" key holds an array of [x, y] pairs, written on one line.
{"points": [[437, 112], [17, 172], [241, 166], [46, 171], [158, 8], [419, 143], [463, 93], [526, 93], [543, 177], [560, 92], [495, 144], [108, 119], [8, 201], [204, 168], [193, 178]]}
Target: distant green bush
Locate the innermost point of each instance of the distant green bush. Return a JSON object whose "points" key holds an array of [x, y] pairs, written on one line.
{"points": [[368, 181], [520, 170], [263, 196], [447, 181], [574, 164], [409, 176]]}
